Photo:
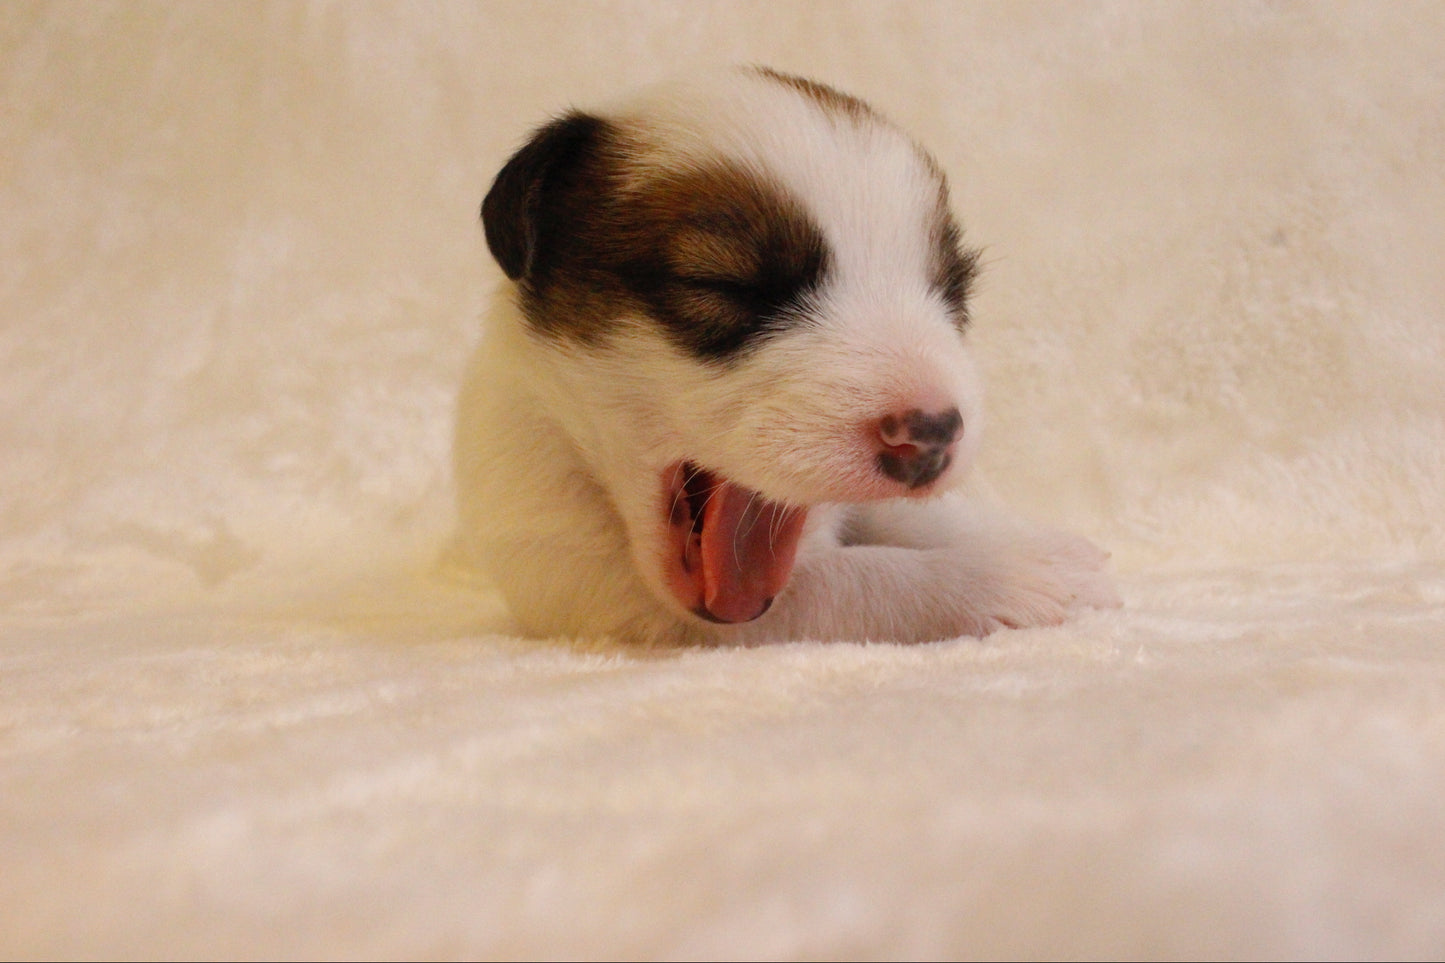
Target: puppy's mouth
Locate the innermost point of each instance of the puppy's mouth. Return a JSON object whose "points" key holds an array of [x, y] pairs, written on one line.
{"points": [[728, 550]]}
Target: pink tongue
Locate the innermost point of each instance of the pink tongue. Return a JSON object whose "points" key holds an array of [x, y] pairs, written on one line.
{"points": [[748, 546]]}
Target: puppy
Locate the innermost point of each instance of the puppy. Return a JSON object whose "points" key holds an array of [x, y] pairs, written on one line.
{"points": [[727, 393]]}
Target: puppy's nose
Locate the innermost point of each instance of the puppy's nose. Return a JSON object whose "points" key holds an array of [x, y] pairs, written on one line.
{"points": [[917, 444]]}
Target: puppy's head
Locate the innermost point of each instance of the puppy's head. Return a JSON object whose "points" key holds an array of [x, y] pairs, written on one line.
{"points": [[748, 296]]}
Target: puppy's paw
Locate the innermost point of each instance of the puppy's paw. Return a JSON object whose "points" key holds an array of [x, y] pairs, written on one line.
{"points": [[1042, 578]]}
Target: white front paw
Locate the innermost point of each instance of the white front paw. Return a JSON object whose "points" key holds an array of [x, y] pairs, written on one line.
{"points": [[1039, 578]]}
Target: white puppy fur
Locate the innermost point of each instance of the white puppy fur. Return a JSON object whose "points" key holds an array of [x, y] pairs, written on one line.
{"points": [[727, 395]]}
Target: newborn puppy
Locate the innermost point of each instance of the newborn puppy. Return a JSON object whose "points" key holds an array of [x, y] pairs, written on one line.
{"points": [[728, 392]]}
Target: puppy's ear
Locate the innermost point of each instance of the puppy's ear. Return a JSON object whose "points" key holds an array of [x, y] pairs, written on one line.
{"points": [[516, 216]]}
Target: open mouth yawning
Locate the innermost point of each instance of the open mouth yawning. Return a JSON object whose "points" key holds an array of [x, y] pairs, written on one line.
{"points": [[728, 550]]}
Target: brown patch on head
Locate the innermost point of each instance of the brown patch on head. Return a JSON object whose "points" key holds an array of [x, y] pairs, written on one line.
{"points": [[830, 99], [594, 236], [732, 258], [954, 266]]}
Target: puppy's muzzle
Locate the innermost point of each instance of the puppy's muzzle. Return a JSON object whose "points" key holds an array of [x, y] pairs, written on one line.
{"points": [[917, 446]]}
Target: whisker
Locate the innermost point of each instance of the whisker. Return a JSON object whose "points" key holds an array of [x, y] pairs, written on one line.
{"points": [[681, 490], [774, 527], [752, 497]]}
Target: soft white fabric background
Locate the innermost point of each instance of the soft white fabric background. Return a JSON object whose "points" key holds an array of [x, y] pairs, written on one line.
{"points": [[247, 706]]}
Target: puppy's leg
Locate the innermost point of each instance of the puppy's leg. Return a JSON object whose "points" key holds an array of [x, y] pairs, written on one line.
{"points": [[918, 571]]}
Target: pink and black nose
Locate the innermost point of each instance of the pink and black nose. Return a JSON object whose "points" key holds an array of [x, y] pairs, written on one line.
{"points": [[918, 445]]}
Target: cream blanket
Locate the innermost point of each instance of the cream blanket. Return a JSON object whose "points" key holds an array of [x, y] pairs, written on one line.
{"points": [[248, 707]]}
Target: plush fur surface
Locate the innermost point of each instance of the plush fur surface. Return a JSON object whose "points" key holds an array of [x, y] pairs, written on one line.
{"points": [[253, 705], [733, 373]]}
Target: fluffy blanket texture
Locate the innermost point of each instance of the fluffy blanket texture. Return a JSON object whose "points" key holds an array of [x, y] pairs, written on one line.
{"points": [[249, 708]]}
